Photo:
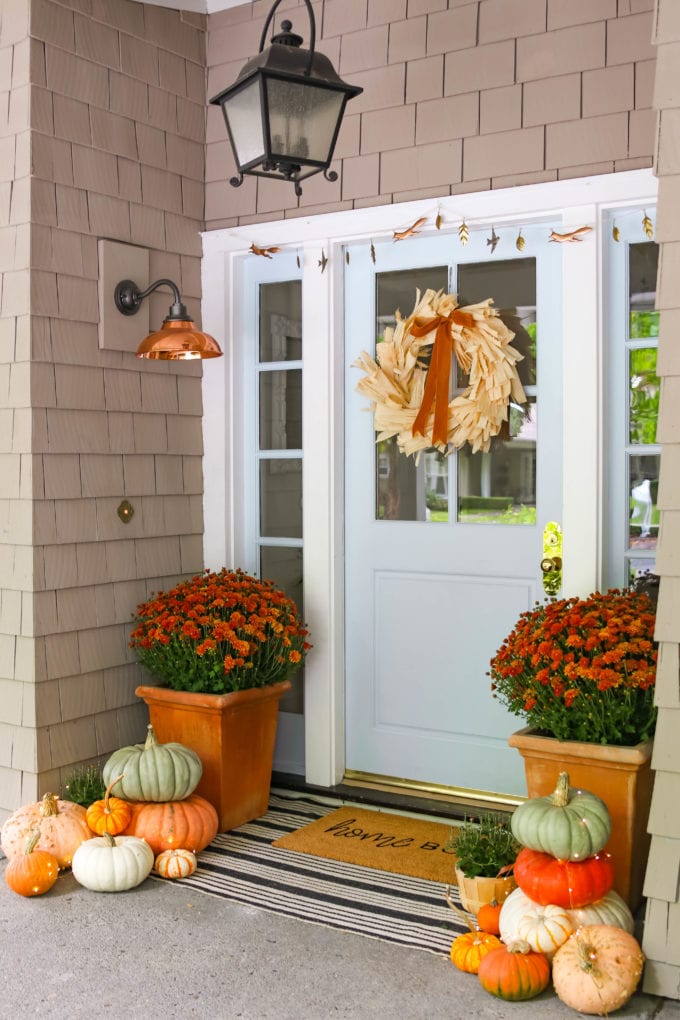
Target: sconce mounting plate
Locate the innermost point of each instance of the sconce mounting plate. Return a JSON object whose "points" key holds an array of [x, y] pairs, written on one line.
{"points": [[127, 297]]}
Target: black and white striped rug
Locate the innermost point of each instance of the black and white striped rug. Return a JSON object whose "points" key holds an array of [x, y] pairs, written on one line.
{"points": [[242, 865]]}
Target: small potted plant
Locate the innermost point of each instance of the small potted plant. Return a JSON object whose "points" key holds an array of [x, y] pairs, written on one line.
{"points": [[485, 854], [222, 647]]}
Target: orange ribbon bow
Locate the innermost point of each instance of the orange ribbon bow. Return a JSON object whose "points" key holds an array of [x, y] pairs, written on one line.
{"points": [[436, 393]]}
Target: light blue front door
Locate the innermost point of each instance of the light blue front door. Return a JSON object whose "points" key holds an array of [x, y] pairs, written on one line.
{"points": [[442, 557]]}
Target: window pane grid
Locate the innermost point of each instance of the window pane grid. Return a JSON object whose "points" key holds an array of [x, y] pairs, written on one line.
{"points": [[278, 453], [641, 452]]}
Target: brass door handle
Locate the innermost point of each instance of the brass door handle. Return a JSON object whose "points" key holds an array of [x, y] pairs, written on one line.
{"points": [[551, 563]]}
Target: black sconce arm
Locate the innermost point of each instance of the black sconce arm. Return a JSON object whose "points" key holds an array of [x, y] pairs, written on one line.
{"points": [[128, 298]]}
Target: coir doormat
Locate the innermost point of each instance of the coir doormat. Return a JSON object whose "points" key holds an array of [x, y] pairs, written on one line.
{"points": [[378, 839]]}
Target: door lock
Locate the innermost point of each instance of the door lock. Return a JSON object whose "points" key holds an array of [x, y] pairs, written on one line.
{"points": [[551, 564]]}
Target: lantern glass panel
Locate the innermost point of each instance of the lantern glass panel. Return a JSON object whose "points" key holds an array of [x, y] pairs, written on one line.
{"points": [[302, 119], [243, 113]]}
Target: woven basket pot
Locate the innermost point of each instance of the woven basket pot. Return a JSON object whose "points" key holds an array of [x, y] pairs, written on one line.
{"points": [[476, 892]]}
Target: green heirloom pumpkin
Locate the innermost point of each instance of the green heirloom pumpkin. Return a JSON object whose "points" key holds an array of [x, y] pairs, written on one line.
{"points": [[154, 772], [570, 824]]}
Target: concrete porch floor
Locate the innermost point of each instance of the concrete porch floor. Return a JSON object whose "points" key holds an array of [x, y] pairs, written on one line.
{"points": [[165, 951]]}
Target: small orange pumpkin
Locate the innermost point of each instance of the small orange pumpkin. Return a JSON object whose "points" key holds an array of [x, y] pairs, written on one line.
{"points": [[514, 972], [190, 823], [111, 814], [468, 950], [176, 863], [488, 917], [33, 872]]}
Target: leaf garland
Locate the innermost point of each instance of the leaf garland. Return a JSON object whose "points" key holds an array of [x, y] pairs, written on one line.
{"points": [[395, 381]]}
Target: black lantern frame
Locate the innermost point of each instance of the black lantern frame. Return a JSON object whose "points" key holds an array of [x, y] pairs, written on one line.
{"points": [[287, 67]]}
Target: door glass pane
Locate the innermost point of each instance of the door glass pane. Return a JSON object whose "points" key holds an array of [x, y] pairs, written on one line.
{"points": [[281, 498], [512, 285], [643, 263], [284, 568], [644, 395], [643, 487], [281, 410], [406, 491], [281, 321], [499, 487]]}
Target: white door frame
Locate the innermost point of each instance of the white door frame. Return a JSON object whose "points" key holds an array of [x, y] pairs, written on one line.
{"points": [[571, 204]]}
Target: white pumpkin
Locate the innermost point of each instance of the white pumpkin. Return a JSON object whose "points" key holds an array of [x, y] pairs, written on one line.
{"points": [[611, 909], [112, 863], [545, 928]]}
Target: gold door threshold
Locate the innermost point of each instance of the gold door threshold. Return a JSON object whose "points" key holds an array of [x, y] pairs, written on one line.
{"points": [[484, 799]]}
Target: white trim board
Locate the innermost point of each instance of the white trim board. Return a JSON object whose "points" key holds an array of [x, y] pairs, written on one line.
{"points": [[501, 207], [570, 203]]}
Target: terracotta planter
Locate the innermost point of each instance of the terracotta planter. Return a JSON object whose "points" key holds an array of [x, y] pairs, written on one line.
{"points": [[621, 776], [476, 892], [233, 735]]}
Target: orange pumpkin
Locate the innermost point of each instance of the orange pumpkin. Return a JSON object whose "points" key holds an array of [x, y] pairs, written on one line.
{"points": [[33, 872], [468, 950], [488, 917], [111, 814], [571, 884], [189, 824], [62, 823], [514, 972], [176, 864]]}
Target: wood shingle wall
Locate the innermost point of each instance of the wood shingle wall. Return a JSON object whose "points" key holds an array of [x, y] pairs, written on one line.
{"points": [[662, 882], [459, 96], [102, 136]]}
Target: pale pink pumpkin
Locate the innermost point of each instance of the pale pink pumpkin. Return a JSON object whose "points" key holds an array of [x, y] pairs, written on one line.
{"points": [[62, 824]]}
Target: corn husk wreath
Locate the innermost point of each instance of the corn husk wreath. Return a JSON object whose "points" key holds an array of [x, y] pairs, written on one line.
{"points": [[411, 398]]}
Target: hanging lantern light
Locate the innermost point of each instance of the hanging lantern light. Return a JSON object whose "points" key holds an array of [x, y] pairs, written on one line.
{"points": [[284, 111]]}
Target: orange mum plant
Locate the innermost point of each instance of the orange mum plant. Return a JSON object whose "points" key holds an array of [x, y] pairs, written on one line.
{"points": [[582, 669], [220, 632]]}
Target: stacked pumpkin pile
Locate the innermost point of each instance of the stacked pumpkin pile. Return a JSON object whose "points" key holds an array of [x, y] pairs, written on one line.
{"points": [[564, 916], [156, 821]]}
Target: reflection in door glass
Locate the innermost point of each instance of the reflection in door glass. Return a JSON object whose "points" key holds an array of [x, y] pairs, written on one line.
{"points": [[499, 487], [281, 321], [644, 395], [284, 567], [281, 498], [511, 283], [643, 407], [643, 486], [279, 419], [281, 410], [643, 264], [406, 491]]}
